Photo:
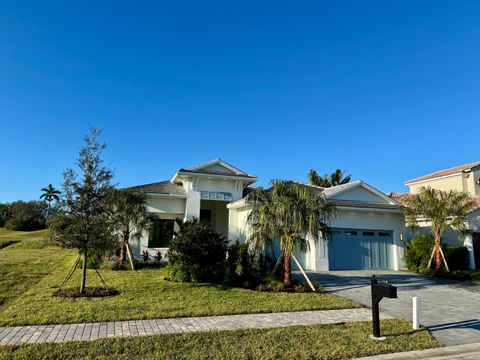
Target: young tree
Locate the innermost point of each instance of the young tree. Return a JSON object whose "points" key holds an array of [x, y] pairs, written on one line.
{"points": [[287, 212], [439, 210], [50, 194], [130, 218], [85, 222], [336, 178]]}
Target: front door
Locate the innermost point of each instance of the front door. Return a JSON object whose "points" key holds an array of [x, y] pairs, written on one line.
{"points": [[476, 249]]}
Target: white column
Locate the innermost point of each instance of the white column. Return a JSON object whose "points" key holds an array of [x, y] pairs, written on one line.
{"points": [[468, 243]]}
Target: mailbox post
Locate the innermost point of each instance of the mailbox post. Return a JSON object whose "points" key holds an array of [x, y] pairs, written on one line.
{"points": [[379, 291]]}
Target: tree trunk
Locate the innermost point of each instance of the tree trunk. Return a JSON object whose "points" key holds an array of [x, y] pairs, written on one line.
{"points": [[123, 248], [438, 258], [287, 271], [84, 273]]}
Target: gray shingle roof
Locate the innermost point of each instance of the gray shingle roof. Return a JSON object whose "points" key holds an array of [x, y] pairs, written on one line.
{"points": [[162, 187]]}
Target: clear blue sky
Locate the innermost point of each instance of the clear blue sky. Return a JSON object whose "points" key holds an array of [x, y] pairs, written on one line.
{"points": [[387, 90]]}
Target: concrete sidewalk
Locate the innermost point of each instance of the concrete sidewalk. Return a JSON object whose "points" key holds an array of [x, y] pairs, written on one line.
{"points": [[458, 352], [92, 331]]}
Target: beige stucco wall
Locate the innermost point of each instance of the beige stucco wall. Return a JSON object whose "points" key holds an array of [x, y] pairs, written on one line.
{"points": [[455, 182]]}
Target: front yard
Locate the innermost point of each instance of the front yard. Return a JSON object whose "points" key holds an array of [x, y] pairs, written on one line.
{"points": [[297, 342], [32, 271]]}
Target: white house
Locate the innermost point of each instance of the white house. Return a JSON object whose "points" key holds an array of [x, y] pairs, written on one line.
{"points": [[367, 233]]}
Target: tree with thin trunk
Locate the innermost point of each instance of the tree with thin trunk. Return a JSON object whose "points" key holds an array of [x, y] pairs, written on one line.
{"points": [[130, 219], [287, 212], [84, 222], [439, 211], [328, 180], [50, 194]]}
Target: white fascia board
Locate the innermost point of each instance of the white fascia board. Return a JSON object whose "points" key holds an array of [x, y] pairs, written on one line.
{"points": [[353, 208], [168, 195], [217, 176], [238, 204], [350, 186]]}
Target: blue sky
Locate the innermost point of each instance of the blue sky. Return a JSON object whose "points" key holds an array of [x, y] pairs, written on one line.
{"points": [[387, 90]]}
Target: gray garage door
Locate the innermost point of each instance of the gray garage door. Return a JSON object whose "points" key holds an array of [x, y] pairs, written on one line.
{"points": [[351, 249]]}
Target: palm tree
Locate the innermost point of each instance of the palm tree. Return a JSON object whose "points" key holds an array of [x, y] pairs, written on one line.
{"points": [[130, 218], [336, 178], [50, 194], [440, 210], [287, 212]]}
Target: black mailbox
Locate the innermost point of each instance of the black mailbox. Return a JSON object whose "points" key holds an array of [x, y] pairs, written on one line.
{"points": [[379, 291]]}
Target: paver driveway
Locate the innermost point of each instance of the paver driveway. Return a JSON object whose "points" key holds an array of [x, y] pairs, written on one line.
{"points": [[449, 309]]}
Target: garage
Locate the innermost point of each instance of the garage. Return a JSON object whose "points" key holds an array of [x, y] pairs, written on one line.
{"points": [[353, 249]]}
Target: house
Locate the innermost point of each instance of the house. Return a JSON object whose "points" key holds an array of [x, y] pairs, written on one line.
{"points": [[367, 233], [464, 178]]}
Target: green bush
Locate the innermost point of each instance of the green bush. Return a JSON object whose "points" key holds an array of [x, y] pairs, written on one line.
{"points": [[176, 272], [198, 252], [457, 257], [243, 266], [418, 252]]}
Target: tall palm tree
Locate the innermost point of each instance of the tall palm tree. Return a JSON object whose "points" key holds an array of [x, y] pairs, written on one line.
{"points": [[50, 194], [287, 212], [336, 178], [439, 210], [130, 218]]}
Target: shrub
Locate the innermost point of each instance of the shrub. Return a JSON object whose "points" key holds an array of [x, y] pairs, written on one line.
{"points": [[145, 256], [418, 252], [158, 256], [176, 272], [198, 252], [457, 257], [27, 216], [245, 265]]}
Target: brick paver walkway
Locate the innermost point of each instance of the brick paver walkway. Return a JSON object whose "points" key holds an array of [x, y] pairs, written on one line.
{"points": [[91, 331]]}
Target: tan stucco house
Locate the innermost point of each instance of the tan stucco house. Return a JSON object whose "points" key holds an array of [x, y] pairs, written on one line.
{"points": [[464, 178], [367, 233]]}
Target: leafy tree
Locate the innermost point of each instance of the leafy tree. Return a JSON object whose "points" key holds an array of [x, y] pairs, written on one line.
{"points": [[5, 213], [287, 212], [85, 222], [50, 194], [130, 218], [26, 216], [336, 178], [438, 210]]}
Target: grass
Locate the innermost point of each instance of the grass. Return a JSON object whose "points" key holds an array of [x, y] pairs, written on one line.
{"points": [[24, 262], [298, 342], [34, 271]]}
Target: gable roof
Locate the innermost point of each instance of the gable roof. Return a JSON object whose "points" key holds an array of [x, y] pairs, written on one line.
{"points": [[218, 168], [451, 171], [331, 192], [162, 187]]}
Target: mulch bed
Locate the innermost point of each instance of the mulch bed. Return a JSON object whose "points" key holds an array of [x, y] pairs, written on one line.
{"points": [[89, 292]]}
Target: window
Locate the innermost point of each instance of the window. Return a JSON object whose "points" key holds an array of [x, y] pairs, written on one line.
{"points": [[368, 233], [161, 233], [384, 234], [351, 233]]}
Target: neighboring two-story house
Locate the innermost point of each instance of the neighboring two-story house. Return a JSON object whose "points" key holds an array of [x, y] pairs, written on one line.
{"points": [[464, 178], [367, 233]]}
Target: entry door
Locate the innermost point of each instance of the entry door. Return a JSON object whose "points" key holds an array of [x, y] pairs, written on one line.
{"points": [[354, 249]]}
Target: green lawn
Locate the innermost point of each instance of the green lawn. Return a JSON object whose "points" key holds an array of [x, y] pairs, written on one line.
{"points": [[25, 262], [298, 342], [34, 271]]}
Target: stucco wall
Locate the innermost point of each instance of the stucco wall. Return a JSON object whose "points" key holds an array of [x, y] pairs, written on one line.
{"points": [[459, 182], [158, 204]]}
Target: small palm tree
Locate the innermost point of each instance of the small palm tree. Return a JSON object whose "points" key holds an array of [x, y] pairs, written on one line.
{"points": [[336, 178], [50, 194], [439, 210], [130, 218], [287, 212]]}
